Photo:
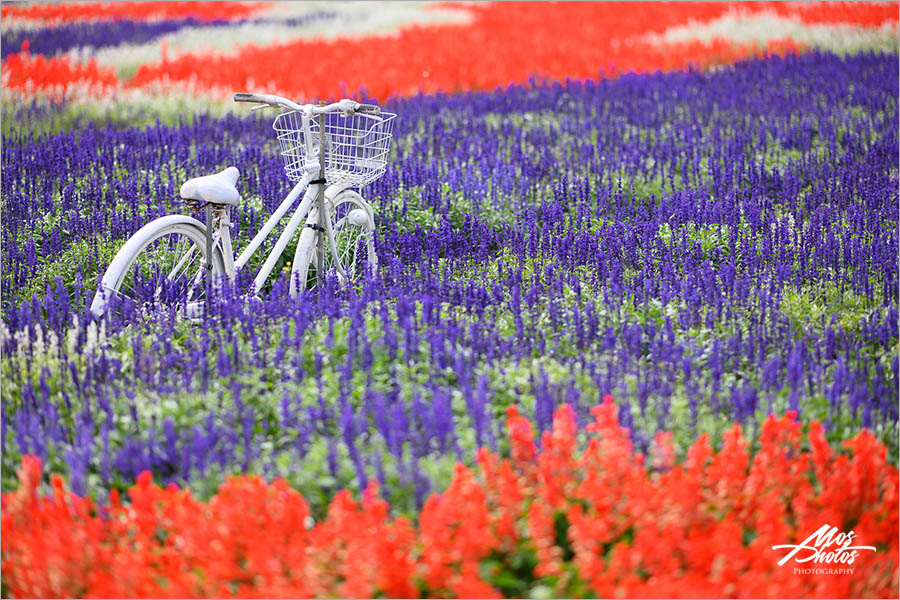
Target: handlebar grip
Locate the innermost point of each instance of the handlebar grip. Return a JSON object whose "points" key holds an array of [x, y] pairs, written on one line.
{"points": [[369, 108], [245, 97]]}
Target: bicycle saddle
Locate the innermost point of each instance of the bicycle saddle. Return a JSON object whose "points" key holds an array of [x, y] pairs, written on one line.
{"points": [[215, 189]]}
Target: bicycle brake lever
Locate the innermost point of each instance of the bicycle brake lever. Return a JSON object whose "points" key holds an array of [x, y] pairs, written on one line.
{"points": [[259, 107], [372, 116]]}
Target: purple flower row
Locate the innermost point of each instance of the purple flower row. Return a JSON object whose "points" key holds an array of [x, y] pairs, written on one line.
{"points": [[236, 344], [103, 34], [661, 238]]}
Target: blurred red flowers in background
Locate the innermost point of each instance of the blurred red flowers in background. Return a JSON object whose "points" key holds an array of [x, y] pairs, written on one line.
{"points": [[54, 74], [505, 42], [76, 11], [598, 522]]}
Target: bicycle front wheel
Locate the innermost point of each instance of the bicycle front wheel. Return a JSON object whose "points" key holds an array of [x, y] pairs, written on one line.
{"points": [[163, 262], [349, 244], [352, 255]]}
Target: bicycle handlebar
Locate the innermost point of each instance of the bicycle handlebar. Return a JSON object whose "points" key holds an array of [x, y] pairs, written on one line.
{"points": [[347, 106], [258, 98], [368, 108]]}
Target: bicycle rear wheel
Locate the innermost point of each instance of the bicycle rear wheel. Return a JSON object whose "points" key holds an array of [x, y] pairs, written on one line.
{"points": [[163, 262]]}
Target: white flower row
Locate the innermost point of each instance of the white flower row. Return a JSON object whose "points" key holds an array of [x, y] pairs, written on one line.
{"points": [[350, 20], [161, 97], [764, 27]]}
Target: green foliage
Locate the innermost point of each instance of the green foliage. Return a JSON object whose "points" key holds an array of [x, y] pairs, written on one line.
{"points": [[88, 257]]}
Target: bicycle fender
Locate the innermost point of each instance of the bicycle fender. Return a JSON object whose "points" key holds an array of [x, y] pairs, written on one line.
{"points": [[141, 237], [334, 191]]}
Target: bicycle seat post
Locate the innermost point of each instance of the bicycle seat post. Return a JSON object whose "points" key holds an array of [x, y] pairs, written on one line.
{"points": [[209, 236]]}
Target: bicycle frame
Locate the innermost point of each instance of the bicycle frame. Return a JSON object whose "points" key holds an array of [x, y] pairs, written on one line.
{"points": [[310, 185], [313, 192]]}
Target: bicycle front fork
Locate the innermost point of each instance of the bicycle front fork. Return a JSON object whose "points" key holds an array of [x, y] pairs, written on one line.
{"points": [[320, 239]]}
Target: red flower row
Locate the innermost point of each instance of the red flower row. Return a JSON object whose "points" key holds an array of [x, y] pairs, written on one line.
{"points": [[22, 71], [866, 14], [599, 522], [136, 11], [504, 43]]}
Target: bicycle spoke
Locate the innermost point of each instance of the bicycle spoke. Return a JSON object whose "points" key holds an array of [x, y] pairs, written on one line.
{"points": [[345, 261], [187, 258], [169, 268], [350, 248]]}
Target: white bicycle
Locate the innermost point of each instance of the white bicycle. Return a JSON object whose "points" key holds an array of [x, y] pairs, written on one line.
{"points": [[173, 258]]}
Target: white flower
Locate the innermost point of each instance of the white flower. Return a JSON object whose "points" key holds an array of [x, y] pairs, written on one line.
{"points": [[763, 27], [338, 20]]}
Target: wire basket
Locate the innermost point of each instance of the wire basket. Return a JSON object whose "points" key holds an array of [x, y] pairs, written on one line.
{"points": [[357, 146]]}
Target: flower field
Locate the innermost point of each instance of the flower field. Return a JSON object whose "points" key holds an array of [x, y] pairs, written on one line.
{"points": [[635, 320]]}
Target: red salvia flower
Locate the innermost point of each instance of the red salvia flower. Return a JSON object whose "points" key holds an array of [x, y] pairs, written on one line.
{"points": [[599, 521]]}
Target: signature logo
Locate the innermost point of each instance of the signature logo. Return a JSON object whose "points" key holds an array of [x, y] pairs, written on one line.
{"points": [[827, 545]]}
